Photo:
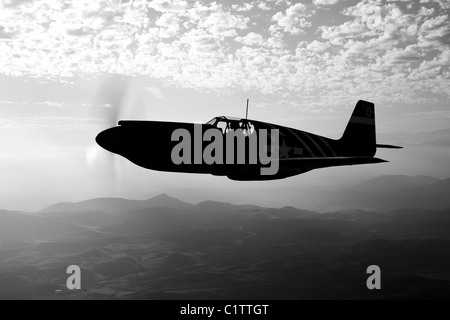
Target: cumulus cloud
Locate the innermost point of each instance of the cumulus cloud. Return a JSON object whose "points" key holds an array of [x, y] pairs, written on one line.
{"points": [[4, 35], [325, 2], [263, 6], [174, 6], [435, 32], [318, 46], [217, 20], [170, 24], [435, 114], [293, 21], [243, 7], [444, 4], [380, 50], [252, 39], [201, 42]]}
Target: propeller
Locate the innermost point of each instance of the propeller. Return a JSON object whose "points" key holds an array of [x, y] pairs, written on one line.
{"points": [[108, 105], [117, 97], [110, 98]]}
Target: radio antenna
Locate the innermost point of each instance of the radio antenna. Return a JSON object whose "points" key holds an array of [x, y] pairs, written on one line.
{"points": [[246, 111]]}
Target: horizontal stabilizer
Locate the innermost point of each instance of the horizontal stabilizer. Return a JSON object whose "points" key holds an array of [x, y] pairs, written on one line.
{"points": [[388, 146], [324, 162]]}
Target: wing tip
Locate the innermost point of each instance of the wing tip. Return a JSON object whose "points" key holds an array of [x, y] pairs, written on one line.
{"points": [[378, 160], [388, 146]]}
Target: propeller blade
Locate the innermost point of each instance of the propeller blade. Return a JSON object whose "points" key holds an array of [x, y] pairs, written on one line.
{"points": [[109, 99], [108, 105]]}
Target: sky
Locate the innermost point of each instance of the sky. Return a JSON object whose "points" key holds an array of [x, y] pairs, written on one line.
{"points": [[302, 64]]}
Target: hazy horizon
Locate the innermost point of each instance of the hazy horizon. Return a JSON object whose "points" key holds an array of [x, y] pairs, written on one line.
{"points": [[302, 64]]}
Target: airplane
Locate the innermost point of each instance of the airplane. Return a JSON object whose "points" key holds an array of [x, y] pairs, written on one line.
{"points": [[150, 144]]}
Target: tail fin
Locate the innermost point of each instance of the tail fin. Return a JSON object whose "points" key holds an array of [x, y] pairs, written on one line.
{"points": [[359, 135]]}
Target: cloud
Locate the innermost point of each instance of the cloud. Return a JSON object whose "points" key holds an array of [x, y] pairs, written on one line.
{"points": [[424, 11], [444, 4], [174, 6], [318, 46], [293, 21], [200, 41], [5, 35], [435, 32], [263, 6], [219, 21], [58, 123], [243, 7], [379, 50], [252, 39], [15, 3], [409, 54], [325, 2], [434, 114], [170, 24]]}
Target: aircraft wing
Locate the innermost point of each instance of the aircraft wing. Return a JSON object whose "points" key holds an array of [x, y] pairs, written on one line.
{"points": [[313, 163]]}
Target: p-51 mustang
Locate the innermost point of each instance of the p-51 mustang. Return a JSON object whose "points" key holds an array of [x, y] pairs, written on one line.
{"points": [[242, 149]]}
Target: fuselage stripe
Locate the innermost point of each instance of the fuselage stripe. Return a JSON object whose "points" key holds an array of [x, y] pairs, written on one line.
{"points": [[302, 143], [328, 146], [315, 144]]}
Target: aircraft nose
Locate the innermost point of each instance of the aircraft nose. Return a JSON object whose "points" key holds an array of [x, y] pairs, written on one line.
{"points": [[109, 139]]}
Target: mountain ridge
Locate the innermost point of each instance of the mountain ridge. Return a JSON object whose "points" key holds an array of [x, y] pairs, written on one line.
{"points": [[116, 205], [383, 193]]}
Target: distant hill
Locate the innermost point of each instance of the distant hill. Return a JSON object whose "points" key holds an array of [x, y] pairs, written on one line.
{"points": [[19, 226], [414, 138], [442, 186], [217, 206], [383, 193], [387, 193], [218, 250], [117, 205], [395, 182], [247, 209]]}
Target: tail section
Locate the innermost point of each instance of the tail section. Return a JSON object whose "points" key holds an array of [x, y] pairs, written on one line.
{"points": [[359, 135]]}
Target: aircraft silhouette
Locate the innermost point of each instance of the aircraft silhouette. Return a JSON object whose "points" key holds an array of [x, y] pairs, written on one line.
{"points": [[149, 144]]}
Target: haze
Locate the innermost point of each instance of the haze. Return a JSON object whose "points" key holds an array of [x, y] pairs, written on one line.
{"points": [[301, 64]]}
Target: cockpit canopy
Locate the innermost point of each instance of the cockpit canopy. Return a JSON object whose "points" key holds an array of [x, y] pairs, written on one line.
{"points": [[226, 124]]}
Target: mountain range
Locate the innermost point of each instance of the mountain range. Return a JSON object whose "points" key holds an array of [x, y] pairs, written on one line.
{"points": [[117, 205], [164, 248], [384, 194]]}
